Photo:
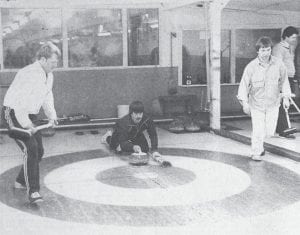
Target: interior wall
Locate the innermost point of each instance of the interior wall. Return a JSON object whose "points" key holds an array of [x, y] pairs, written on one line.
{"points": [[98, 92]]}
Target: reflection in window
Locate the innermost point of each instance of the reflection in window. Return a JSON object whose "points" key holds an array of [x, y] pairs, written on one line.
{"points": [[95, 37], [24, 30], [245, 46], [194, 57], [143, 37]]}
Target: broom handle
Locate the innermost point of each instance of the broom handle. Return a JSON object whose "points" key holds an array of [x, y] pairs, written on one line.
{"points": [[295, 105], [43, 126], [287, 117]]}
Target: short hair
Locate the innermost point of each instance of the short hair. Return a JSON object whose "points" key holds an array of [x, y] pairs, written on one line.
{"points": [[47, 50], [136, 107], [289, 31], [263, 42]]}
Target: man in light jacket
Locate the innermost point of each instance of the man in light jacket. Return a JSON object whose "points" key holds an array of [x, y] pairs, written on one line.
{"points": [[263, 84]]}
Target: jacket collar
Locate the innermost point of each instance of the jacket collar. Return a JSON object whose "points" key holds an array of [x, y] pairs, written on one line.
{"points": [[39, 67], [285, 44], [271, 61]]}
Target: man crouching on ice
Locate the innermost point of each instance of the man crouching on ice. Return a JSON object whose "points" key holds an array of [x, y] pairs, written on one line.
{"points": [[128, 136]]}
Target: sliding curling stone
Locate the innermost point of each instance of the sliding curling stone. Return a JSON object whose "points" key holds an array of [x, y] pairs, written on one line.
{"points": [[139, 159]]}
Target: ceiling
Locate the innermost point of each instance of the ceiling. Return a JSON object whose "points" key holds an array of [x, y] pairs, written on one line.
{"points": [[255, 5], [277, 5]]}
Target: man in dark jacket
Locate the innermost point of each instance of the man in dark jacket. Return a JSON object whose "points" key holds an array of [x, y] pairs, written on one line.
{"points": [[284, 51], [128, 134]]}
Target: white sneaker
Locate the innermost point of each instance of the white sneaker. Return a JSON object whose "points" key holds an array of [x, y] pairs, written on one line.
{"points": [[35, 197], [118, 149], [104, 137], [256, 157], [19, 186]]}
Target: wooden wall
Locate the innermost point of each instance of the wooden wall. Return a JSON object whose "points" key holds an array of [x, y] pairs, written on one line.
{"points": [[97, 92]]}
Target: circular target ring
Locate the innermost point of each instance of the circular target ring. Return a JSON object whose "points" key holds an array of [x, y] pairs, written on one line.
{"points": [[267, 182]]}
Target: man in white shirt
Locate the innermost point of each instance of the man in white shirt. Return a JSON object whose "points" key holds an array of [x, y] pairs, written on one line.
{"points": [[30, 90]]}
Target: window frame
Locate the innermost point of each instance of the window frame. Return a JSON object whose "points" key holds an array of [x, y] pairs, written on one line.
{"points": [[179, 51], [232, 30], [63, 9]]}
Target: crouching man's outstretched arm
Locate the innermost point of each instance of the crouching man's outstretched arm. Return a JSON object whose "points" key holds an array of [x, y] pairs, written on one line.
{"points": [[156, 156]]}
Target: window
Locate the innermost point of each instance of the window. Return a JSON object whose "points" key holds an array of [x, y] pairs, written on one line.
{"points": [[24, 30], [95, 37], [194, 57], [245, 46], [143, 37], [225, 56]]}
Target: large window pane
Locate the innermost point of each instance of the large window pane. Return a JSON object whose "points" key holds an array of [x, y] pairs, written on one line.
{"points": [[245, 46], [143, 37], [194, 57], [95, 37], [25, 30], [225, 56]]}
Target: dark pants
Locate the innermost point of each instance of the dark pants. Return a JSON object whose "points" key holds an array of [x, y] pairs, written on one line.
{"points": [[282, 123], [140, 140], [33, 152]]}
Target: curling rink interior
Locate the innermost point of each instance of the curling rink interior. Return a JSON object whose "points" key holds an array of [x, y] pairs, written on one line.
{"points": [[212, 188]]}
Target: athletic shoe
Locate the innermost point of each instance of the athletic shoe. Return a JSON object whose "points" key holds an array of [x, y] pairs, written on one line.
{"points": [[104, 137], [35, 197], [289, 136], [19, 186], [118, 149], [256, 157]]}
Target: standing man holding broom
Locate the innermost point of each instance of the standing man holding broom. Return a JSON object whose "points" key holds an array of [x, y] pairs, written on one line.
{"points": [[284, 51], [30, 90]]}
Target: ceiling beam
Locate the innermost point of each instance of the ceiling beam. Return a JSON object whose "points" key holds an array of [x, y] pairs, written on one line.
{"points": [[169, 5], [220, 3]]}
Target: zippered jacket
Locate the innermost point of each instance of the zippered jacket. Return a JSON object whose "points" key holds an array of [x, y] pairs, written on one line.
{"points": [[128, 132]]}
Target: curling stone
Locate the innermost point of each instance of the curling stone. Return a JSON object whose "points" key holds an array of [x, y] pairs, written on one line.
{"points": [[139, 159]]}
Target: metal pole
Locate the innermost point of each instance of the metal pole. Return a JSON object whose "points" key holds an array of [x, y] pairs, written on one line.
{"points": [[215, 65], [207, 59]]}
